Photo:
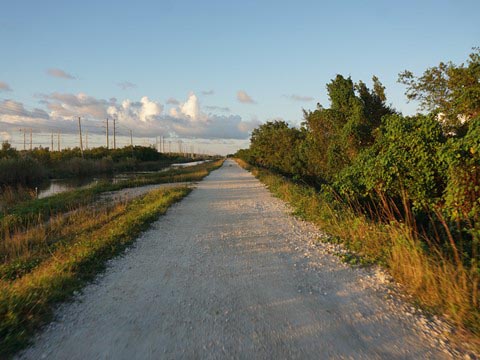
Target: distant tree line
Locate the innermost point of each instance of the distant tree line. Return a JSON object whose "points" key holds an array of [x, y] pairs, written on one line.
{"points": [[30, 167]]}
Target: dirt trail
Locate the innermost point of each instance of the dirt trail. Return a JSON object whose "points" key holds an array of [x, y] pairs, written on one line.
{"points": [[228, 273]]}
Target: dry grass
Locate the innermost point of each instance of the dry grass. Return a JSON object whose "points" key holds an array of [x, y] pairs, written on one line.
{"points": [[12, 195], [23, 250], [61, 267]]}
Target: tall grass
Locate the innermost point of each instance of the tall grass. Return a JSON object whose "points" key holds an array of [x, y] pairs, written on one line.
{"points": [[26, 301], [12, 195], [439, 281]]}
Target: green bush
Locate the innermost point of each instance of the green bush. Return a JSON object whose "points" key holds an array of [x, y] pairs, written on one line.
{"points": [[403, 162]]}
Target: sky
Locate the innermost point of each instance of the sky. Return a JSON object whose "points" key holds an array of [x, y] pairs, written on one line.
{"points": [[207, 72]]}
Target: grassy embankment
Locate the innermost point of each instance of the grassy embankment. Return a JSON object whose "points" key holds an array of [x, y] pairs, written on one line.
{"points": [[436, 283], [44, 262]]}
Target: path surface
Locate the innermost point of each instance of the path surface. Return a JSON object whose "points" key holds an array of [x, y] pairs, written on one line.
{"points": [[228, 273]]}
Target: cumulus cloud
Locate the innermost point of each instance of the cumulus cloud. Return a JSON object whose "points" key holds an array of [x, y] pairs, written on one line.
{"points": [[295, 97], [189, 120], [4, 86], [59, 73], [145, 117], [243, 97], [191, 107], [208, 92], [126, 85]]}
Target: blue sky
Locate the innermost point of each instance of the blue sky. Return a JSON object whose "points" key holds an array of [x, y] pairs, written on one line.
{"points": [[271, 50]]}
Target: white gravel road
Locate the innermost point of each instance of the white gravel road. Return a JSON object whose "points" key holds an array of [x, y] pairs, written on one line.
{"points": [[229, 273]]}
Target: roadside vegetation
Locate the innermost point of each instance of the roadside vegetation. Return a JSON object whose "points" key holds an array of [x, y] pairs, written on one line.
{"points": [[31, 167], [51, 247], [403, 191]]}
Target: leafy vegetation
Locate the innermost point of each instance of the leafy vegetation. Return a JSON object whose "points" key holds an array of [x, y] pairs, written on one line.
{"points": [[401, 190]]}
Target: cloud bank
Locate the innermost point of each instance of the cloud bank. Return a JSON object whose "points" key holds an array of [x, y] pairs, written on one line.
{"points": [[145, 117]]}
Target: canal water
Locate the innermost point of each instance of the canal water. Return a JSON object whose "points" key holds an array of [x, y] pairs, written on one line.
{"points": [[56, 186]]}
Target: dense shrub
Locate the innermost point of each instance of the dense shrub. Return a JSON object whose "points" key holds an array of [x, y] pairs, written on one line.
{"points": [[404, 191], [21, 171], [403, 162]]}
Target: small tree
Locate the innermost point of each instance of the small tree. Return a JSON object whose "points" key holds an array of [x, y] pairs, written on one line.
{"points": [[451, 91]]}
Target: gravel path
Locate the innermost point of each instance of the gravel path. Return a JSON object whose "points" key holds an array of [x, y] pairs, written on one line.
{"points": [[229, 273]]}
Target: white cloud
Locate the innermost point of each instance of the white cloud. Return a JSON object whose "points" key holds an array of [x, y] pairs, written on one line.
{"points": [[243, 97], [59, 73], [149, 109], [4, 86], [73, 105], [191, 107]]}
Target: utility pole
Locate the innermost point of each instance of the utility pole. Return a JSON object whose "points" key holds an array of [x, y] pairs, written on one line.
{"points": [[114, 134], [80, 134], [86, 139], [163, 144], [131, 142], [24, 139], [31, 147], [58, 141], [51, 148], [108, 143]]}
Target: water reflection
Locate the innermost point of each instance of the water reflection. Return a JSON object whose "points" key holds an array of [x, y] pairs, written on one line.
{"points": [[56, 186]]}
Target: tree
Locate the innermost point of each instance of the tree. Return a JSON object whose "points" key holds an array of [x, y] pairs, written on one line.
{"points": [[448, 90], [274, 145], [336, 135]]}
